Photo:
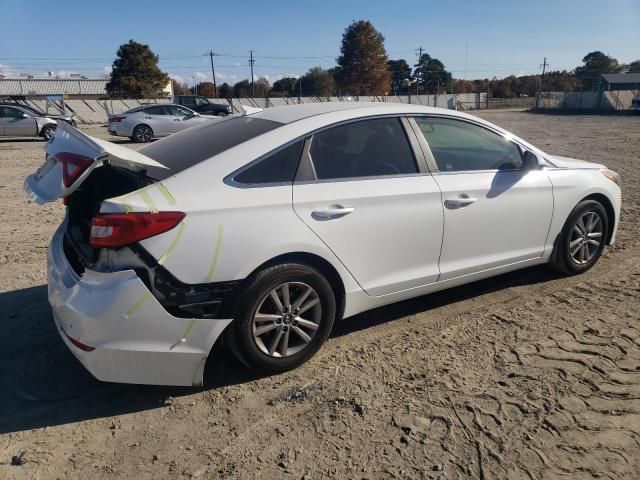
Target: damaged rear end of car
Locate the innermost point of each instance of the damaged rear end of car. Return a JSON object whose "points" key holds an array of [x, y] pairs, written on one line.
{"points": [[122, 314]]}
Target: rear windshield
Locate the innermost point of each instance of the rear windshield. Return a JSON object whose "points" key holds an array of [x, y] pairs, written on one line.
{"points": [[196, 144]]}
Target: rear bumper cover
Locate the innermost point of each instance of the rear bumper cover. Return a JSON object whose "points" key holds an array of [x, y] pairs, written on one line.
{"points": [[135, 339]]}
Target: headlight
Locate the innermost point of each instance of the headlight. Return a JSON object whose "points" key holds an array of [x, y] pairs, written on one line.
{"points": [[611, 175]]}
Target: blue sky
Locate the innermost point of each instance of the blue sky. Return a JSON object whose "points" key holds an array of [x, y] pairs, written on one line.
{"points": [[288, 37]]}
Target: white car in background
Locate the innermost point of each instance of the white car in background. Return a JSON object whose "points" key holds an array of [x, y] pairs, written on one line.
{"points": [[143, 124], [266, 228]]}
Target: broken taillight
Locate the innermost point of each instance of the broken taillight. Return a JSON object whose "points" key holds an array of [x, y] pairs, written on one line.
{"points": [[72, 166], [113, 230]]}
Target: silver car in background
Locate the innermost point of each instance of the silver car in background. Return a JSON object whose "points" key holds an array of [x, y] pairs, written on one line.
{"points": [[19, 122], [144, 123]]}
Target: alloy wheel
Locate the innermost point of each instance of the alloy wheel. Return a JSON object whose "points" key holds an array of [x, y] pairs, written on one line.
{"points": [[287, 319], [143, 134], [586, 237]]}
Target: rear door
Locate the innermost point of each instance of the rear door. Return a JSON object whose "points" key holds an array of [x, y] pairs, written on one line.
{"points": [[495, 213], [366, 194], [182, 118], [160, 120], [16, 125]]}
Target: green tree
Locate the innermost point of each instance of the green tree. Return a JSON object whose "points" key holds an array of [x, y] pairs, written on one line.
{"points": [[363, 61], [225, 90], [285, 87], [595, 63], [634, 67], [317, 82], [400, 75], [135, 73], [431, 75], [242, 89]]}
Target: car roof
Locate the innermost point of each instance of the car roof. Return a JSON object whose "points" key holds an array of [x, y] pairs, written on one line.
{"points": [[293, 113]]}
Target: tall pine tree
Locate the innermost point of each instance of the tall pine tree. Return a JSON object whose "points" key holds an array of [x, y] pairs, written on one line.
{"points": [[135, 73]]}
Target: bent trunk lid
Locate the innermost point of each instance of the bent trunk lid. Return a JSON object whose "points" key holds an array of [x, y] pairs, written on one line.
{"points": [[46, 184]]}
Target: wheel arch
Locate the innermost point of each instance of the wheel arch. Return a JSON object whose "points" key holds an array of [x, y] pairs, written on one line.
{"points": [[306, 258], [608, 207]]}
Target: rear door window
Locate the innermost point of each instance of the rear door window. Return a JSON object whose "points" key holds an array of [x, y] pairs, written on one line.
{"points": [[156, 110], [366, 148]]}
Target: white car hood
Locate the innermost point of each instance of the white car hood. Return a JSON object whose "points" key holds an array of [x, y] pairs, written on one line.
{"points": [[567, 162]]}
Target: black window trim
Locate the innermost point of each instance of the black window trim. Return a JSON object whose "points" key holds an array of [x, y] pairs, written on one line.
{"points": [[431, 161], [232, 182], [306, 169]]}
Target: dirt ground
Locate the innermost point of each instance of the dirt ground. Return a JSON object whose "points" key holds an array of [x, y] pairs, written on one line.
{"points": [[527, 375]]}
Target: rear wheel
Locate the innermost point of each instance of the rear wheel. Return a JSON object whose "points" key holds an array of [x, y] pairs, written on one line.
{"points": [[222, 114], [142, 134], [582, 239], [283, 318]]}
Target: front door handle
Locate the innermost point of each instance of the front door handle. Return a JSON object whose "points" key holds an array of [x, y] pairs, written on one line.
{"points": [[334, 211], [461, 201]]}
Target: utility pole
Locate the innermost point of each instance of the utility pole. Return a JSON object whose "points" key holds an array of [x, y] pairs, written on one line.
{"points": [[213, 73], [251, 62], [544, 66], [418, 74]]}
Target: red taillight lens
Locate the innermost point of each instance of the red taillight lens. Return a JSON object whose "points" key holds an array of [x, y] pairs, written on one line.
{"points": [[72, 166], [113, 230], [117, 118]]}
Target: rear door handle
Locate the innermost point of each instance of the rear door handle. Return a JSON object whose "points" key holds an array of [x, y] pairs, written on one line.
{"points": [[335, 211], [459, 202]]}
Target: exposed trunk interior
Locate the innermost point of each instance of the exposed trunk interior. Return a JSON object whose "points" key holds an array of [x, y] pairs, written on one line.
{"points": [[104, 182]]}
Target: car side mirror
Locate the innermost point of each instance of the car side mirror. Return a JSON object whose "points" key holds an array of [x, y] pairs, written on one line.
{"points": [[530, 161]]}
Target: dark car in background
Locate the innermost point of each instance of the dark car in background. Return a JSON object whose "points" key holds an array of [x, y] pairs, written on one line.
{"points": [[202, 105]]}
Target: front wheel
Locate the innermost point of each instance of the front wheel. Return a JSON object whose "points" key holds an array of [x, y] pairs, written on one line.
{"points": [[283, 318], [48, 132], [142, 134], [582, 239]]}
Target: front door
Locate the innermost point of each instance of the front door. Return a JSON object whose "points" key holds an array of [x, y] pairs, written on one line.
{"points": [[495, 213], [371, 205], [15, 124]]}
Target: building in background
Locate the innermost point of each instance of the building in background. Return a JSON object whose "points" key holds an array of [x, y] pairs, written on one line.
{"points": [[72, 87]]}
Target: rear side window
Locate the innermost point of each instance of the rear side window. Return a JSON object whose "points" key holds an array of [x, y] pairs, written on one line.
{"points": [[278, 167], [189, 147], [366, 148]]}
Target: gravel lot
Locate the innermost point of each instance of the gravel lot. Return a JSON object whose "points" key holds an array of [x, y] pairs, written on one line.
{"points": [[527, 375]]}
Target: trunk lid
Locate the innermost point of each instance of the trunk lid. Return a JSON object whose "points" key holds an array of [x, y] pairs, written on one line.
{"points": [[47, 183]]}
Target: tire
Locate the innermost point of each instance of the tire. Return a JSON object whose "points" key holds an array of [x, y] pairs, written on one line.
{"points": [[570, 255], [221, 114], [256, 350], [142, 134], [48, 132]]}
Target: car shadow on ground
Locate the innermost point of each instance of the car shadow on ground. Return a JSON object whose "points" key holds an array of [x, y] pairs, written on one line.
{"points": [[42, 384], [21, 140]]}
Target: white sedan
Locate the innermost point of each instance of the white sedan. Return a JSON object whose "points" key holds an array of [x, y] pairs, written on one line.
{"points": [[266, 228]]}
